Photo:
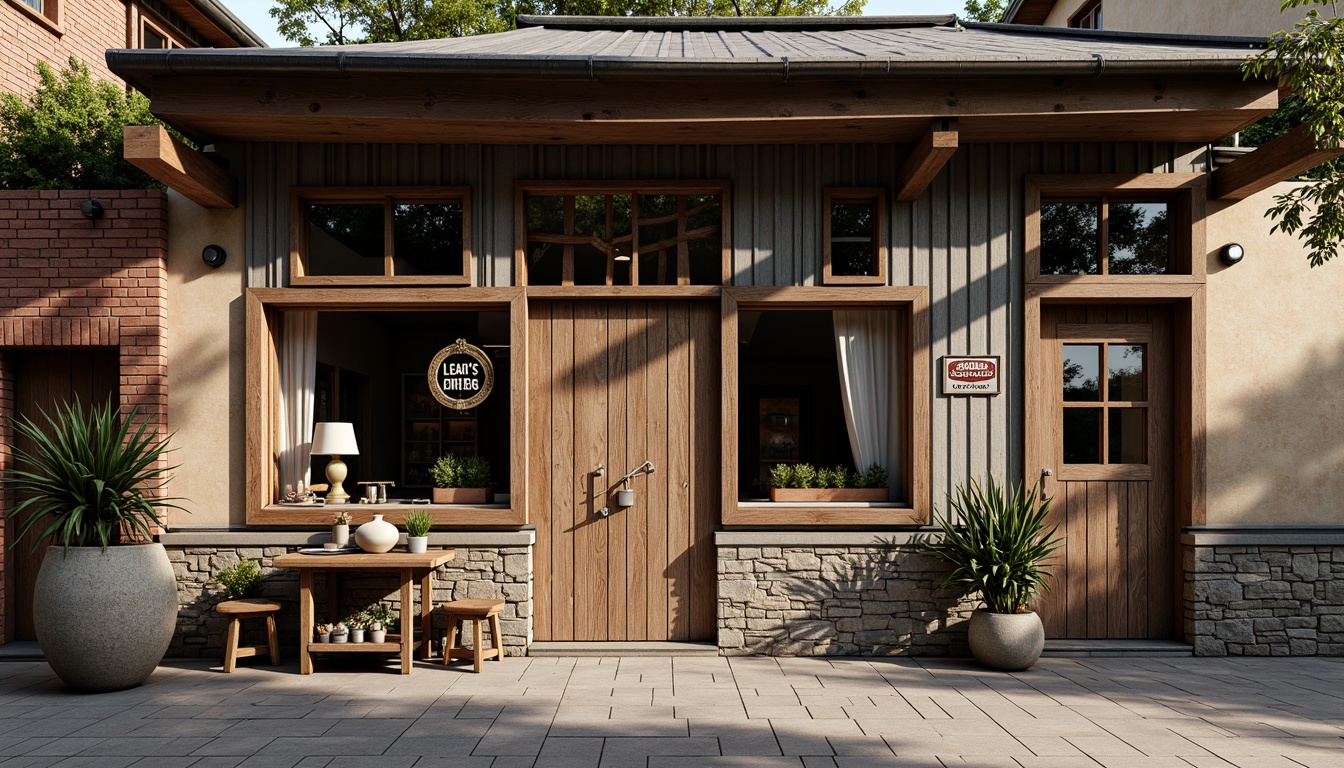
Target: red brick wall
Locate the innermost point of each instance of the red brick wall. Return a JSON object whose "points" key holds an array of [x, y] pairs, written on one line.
{"points": [[91, 27], [66, 281]]}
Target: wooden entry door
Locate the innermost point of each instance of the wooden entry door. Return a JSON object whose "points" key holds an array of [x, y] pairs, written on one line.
{"points": [[616, 383], [44, 379], [1107, 395]]}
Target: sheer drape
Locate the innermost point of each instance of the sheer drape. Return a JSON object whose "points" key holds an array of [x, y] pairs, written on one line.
{"points": [[867, 349], [298, 380]]}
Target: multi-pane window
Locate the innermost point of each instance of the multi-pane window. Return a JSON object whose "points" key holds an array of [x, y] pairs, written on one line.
{"points": [[1087, 17], [1105, 399], [1106, 236], [47, 9], [412, 236], [638, 236], [854, 237]]}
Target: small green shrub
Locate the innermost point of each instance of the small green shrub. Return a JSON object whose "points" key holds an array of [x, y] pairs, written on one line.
{"points": [[781, 476], [418, 522], [452, 471], [381, 613], [242, 580], [875, 477], [807, 476]]}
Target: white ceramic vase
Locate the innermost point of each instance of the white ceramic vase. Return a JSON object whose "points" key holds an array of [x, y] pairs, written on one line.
{"points": [[356, 635], [340, 534], [377, 635], [377, 536], [417, 544]]}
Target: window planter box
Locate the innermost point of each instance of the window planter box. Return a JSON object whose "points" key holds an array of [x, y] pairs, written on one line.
{"points": [[828, 495], [462, 495]]}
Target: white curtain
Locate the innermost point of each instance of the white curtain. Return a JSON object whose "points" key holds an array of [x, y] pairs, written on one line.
{"points": [[298, 380], [867, 348]]}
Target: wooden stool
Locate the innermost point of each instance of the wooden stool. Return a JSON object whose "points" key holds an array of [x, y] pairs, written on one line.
{"points": [[475, 611], [249, 608]]}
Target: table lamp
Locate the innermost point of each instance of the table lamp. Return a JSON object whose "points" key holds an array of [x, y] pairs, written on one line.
{"points": [[335, 439]]}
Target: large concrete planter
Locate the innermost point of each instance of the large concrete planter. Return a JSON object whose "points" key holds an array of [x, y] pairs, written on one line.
{"points": [[104, 619], [1008, 641]]}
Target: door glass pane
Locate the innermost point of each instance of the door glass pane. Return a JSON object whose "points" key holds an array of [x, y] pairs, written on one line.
{"points": [[1126, 379], [427, 238], [1128, 436], [346, 239], [1082, 366], [1082, 435], [1070, 242], [1138, 238]]}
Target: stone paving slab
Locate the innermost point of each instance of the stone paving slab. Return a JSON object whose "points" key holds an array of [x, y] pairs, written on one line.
{"points": [[675, 712]]}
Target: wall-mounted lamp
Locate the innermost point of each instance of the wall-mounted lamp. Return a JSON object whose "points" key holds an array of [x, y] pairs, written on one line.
{"points": [[214, 255], [1231, 253], [91, 209]]}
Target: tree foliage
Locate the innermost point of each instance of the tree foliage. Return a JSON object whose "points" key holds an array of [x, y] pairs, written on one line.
{"points": [[67, 133], [1309, 60], [988, 10], [343, 22]]}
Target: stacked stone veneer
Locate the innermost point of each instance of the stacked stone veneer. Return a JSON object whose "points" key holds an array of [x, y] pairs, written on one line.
{"points": [[852, 600], [1265, 600], [502, 573]]}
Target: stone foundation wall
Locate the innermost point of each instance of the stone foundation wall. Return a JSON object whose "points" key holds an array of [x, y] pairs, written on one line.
{"points": [[1265, 600], [854, 600], [502, 573]]}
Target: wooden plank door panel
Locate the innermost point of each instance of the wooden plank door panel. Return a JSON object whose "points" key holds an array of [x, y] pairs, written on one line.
{"points": [[621, 383], [1114, 574]]}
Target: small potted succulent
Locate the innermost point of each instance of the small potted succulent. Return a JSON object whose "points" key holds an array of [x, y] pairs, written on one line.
{"points": [[806, 483], [323, 632], [340, 528], [380, 617], [340, 633], [418, 523], [355, 623], [461, 480]]}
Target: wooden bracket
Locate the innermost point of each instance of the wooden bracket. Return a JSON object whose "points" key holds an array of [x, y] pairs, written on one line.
{"points": [[928, 158], [153, 150], [1283, 158]]}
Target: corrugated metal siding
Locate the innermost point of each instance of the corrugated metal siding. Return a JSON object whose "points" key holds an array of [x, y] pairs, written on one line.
{"points": [[962, 238]]}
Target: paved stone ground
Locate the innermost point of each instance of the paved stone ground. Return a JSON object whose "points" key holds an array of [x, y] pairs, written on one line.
{"points": [[664, 712]]}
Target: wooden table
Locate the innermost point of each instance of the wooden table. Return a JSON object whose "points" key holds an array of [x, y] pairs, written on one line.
{"points": [[408, 566]]}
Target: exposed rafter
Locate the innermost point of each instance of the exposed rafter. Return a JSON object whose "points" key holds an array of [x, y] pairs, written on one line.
{"points": [[928, 158], [1283, 158], [153, 150]]}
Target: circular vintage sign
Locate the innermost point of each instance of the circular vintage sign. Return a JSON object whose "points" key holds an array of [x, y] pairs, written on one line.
{"points": [[461, 376]]}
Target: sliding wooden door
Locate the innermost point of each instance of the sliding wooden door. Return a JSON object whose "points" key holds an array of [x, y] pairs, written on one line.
{"points": [[613, 384]]}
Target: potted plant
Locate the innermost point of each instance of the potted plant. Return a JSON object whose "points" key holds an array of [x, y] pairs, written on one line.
{"points": [[805, 483], [996, 541], [355, 623], [242, 580], [340, 528], [380, 617], [92, 483], [461, 480], [323, 632], [340, 633], [418, 523]]}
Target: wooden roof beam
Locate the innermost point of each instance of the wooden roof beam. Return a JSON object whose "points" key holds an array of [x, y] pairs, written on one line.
{"points": [[179, 167], [928, 158], [1283, 158]]}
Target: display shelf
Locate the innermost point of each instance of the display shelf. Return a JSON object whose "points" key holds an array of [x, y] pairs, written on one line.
{"points": [[429, 430]]}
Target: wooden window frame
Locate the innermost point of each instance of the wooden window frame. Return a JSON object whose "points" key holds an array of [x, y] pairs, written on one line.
{"points": [[1104, 335], [50, 17], [877, 197], [1090, 9], [300, 228], [262, 307], [1184, 193], [523, 189], [913, 301], [159, 29]]}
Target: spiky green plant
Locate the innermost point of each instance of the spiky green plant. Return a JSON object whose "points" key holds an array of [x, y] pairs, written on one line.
{"points": [[1000, 546], [90, 479], [418, 522]]}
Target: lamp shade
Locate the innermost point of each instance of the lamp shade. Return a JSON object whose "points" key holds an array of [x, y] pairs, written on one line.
{"points": [[334, 438]]}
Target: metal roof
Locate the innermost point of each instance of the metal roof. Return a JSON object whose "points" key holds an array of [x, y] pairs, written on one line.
{"points": [[595, 47]]}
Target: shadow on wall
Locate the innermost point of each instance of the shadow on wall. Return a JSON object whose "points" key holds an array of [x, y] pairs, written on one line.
{"points": [[1276, 446]]}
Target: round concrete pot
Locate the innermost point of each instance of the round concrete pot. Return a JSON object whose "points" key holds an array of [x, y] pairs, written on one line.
{"points": [[104, 619], [1008, 641]]}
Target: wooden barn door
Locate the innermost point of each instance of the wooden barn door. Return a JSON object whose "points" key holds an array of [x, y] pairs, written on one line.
{"points": [[616, 383], [1108, 395], [43, 380]]}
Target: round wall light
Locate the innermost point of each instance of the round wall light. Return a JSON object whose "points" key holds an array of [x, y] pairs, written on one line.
{"points": [[1231, 253], [213, 255], [91, 209]]}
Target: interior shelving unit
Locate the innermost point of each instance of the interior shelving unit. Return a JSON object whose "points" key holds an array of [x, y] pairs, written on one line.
{"points": [[429, 430]]}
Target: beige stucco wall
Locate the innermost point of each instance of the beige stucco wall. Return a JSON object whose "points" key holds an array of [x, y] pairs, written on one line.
{"points": [[1252, 18], [205, 362], [1275, 355]]}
